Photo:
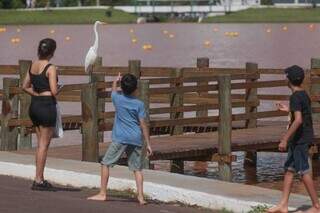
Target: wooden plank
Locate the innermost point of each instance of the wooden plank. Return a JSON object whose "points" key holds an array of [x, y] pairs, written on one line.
{"points": [[225, 126], [134, 68], [202, 63], [257, 115], [25, 139], [183, 121], [95, 77], [89, 110], [315, 87], [315, 71], [268, 97], [177, 166], [251, 94], [271, 71], [9, 69], [185, 89], [235, 104], [260, 84], [10, 106], [177, 101]]}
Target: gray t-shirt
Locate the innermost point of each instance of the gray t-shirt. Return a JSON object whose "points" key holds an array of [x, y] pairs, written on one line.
{"points": [[300, 101]]}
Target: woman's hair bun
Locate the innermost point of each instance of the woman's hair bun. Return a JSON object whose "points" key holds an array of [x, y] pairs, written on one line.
{"points": [[46, 48]]}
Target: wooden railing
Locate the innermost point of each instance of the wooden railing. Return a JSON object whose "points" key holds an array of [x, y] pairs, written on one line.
{"points": [[182, 90]]}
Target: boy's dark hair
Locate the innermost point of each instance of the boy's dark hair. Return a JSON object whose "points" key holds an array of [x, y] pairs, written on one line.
{"points": [[128, 84], [295, 75], [46, 48]]}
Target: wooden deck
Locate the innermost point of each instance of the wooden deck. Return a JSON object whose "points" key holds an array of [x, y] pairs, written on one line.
{"points": [[194, 146]]}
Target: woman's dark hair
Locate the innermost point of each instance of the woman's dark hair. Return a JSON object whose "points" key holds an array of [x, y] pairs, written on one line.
{"points": [[46, 48], [128, 84]]}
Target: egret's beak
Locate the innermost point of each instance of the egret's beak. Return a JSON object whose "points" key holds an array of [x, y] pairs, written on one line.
{"points": [[103, 23]]}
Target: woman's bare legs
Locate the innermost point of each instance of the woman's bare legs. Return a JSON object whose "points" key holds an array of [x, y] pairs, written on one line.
{"points": [[44, 135]]}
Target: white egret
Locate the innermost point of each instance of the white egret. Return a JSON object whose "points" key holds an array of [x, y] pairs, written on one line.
{"points": [[141, 20], [93, 51], [200, 18]]}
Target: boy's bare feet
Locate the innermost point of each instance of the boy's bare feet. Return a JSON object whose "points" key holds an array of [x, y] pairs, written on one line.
{"points": [[98, 197], [313, 210], [278, 209], [141, 200]]}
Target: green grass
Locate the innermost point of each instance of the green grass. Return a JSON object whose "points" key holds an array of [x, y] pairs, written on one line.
{"points": [[13, 17], [269, 15], [259, 15], [259, 209]]}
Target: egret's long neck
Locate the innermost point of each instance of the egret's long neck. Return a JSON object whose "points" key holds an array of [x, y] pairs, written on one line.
{"points": [[96, 41]]}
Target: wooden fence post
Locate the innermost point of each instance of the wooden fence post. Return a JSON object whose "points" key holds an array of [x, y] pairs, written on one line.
{"points": [[144, 96], [25, 139], [135, 68], [89, 110], [225, 127], [307, 85], [9, 135], [95, 76], [202, 63], [177, 166], [315, 88], [251, 95]]}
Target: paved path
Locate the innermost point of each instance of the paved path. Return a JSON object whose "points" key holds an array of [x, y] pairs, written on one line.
{"points": [[163, 186], [16, 197]]}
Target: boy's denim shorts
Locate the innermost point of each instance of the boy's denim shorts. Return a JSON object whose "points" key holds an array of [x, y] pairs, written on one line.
{"points": [[297, 160], [116, 150]]}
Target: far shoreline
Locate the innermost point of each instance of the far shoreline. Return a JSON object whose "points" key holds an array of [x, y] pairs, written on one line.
{"points": [[88, 16]]}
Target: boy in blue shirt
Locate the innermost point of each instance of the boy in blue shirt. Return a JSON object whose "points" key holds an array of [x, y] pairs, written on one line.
{"points": [[297, 140], [128, 131]]}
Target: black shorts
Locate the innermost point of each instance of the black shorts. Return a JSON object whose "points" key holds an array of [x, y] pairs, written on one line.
{"points": [[297, 160], [43, 111]]}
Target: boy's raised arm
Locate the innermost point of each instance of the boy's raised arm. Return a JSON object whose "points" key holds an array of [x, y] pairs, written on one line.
{"points": [[114, 83]]}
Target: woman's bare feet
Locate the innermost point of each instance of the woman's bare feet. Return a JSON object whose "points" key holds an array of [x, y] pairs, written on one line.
{"points": [[98, 197], [278, 209], [141, 200]]}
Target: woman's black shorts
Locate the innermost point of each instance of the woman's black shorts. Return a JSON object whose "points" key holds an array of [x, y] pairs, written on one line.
{"points": [[43, 111]]}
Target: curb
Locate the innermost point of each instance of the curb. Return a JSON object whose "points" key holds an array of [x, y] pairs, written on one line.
{"points": [[155, 191]]}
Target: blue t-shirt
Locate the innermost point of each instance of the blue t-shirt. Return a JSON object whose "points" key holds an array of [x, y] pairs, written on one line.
{"points": [[126, 127]]}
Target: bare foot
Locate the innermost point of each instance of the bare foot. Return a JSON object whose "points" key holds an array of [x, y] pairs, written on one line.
{"points": [[278, 209], [313, 210], [98, 197], [141, 200]]}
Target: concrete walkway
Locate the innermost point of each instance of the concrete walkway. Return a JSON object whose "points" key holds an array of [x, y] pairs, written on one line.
{"points": [[15, 191], [159, 185]]}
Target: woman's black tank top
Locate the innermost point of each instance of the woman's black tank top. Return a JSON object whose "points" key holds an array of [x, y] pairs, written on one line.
{"points": [[40, 82]]}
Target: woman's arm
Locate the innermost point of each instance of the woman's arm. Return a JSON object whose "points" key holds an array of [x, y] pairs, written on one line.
{"points": [[52, 75], [26, 86]]}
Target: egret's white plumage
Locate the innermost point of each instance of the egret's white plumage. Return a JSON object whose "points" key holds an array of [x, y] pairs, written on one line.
{"points": [[93, 51]]}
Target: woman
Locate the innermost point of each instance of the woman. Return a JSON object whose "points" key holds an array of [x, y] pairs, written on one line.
{"points": [[41, 83]]}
